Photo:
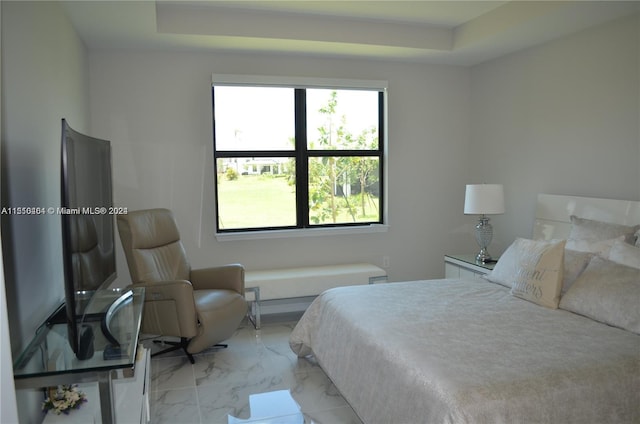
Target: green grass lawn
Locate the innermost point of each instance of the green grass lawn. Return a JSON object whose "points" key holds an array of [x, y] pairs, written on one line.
{"points": [[267, 201], [256, 201]]}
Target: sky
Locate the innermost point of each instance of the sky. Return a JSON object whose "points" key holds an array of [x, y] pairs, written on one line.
{"points": [[255, 118]]}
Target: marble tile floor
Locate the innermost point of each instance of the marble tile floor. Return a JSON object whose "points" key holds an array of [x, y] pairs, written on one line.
{"points": [[257, 379]]}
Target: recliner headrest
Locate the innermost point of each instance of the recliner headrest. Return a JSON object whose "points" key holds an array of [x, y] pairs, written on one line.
{"points": [[152, 228]]}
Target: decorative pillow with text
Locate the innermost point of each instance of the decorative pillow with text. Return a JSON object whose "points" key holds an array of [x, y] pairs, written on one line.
{"points": [[533, 269]]}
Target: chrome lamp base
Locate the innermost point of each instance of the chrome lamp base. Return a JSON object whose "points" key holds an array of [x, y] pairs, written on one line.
{"points": [[484, 235]]}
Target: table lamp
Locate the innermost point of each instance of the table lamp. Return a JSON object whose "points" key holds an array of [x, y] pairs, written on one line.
{"points": [[483, 200]]}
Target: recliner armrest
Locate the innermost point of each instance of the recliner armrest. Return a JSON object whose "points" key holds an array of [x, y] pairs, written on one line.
{"points": [[183, 312], [170, 289], [228, 277]]}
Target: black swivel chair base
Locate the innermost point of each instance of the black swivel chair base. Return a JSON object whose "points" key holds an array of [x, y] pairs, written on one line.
{"points": [[182, 344]]}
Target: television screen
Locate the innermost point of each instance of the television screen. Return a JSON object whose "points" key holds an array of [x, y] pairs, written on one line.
{"points": [[87, 226]]}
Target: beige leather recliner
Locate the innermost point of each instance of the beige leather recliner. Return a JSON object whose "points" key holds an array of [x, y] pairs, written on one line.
{"points": [[201, 306]]}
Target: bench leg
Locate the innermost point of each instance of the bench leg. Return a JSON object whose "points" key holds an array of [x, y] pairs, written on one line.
{"points": [[254, 310], [375, 280]]}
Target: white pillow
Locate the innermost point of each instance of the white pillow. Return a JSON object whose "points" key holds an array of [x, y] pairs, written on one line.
{"points": [[588, 229], [598, 247], [625, 254], [574, 263], [533, 269], [607, 292]]}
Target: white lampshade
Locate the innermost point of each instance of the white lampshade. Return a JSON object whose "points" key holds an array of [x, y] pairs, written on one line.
{"points": [[484, 199]]}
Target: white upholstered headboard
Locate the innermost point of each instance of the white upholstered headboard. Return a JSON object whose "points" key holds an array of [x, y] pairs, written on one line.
{"points": [[553, 211]]}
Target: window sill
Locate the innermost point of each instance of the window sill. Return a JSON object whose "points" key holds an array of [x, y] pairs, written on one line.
{"points": [[307, 232]]}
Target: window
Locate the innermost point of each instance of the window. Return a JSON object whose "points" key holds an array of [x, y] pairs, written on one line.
{"points": [[297, 156]]}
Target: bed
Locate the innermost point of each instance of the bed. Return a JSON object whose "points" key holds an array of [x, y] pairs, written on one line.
{"points": [[476, 351]]}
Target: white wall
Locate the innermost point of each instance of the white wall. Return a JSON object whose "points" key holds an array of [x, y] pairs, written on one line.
{"points": [[9, 411], [548, 119], [561, 118], [44, 78], [156, 109]]}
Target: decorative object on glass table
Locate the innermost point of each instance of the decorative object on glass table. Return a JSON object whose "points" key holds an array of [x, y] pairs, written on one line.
{"points": [[63, 399]]}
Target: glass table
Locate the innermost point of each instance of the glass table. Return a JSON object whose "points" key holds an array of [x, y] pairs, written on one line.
{"points": [[49, 359]]}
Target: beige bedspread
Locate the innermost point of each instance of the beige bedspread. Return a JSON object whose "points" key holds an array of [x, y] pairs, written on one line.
{"points": [[466, 351]]}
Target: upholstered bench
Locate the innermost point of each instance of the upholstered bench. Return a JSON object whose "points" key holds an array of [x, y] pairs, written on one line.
{"points": [[307, 281]]}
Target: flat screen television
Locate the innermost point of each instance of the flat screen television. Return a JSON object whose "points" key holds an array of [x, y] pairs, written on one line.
{"points": [[87, 231]]}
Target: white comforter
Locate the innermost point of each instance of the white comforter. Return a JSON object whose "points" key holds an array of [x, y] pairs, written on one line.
{"points": [[466, 351]]}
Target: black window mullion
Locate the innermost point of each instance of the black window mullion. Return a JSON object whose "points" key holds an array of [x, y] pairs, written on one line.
{"points": [[302, 159], [329, 153], [255, 153], [381, 149]]}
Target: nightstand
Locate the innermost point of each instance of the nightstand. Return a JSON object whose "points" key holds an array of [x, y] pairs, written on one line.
{"points": [[465, 266]]}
